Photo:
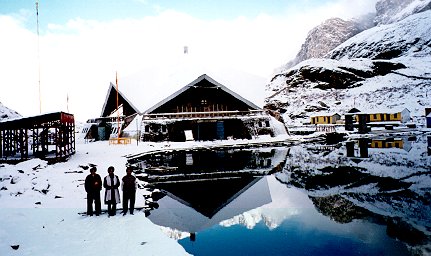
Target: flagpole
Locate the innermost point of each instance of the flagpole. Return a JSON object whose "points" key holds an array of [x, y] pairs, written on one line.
{"points": [[38, 54]]}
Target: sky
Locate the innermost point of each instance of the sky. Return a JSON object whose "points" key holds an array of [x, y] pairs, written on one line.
{"points": [[83, 44]]}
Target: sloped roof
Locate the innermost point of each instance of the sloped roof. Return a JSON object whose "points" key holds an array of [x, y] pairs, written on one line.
{"points": [[196, 83], [383, 110], [326, 115], [153, 84], [111, 96]]}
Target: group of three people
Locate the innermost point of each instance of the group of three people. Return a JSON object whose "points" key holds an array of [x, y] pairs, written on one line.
{"points": [[111, 183]]}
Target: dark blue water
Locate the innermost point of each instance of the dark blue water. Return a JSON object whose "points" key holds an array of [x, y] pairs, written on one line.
{"points": [[289, 239], [306, 232], [368, 197]]}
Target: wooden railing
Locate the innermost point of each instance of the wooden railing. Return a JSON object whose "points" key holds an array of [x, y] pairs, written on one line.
{"points": [[120, 141], [206, 114]]}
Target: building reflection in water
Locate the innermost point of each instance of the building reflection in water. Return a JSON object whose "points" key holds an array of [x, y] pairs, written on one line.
{"points": [[197, 205], [360, 148], [429, 145], [204, 189], [201, 188]]}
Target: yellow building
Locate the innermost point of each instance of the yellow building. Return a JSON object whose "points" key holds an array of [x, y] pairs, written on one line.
{"points": [[384, 143], [402, 116], [325, 119]]}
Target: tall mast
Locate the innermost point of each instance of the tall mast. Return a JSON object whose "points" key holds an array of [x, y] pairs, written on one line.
{"points": [[38, 53]]}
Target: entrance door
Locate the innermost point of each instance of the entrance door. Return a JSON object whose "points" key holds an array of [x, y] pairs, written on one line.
{"points": [[102, 133], [220, 130]]}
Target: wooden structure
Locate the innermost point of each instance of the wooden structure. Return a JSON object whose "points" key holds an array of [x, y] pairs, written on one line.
{"points": [[115, 99], [117, 141], [365, 120], [325, 119], [48, 136], [204, 109], [325, 128], [207, 108], [402, 116]]}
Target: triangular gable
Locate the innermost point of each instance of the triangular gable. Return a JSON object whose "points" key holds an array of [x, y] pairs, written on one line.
{"points": [[194, 83], [111, 98], [354, 110]]}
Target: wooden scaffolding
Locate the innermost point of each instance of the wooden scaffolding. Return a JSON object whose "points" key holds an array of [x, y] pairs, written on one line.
{"points": [[49, 136]]}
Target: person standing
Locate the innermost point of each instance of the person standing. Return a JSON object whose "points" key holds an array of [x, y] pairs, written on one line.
{"points": [[112, 196], [93, 185], [129, 186]]}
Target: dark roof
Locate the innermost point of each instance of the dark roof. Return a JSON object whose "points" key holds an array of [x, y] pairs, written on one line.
{"points": [[111, 102], [44, 120], [354, 110], [197, 83]]}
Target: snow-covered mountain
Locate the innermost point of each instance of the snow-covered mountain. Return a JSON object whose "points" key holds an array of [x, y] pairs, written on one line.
{"points": [[384, 67], [390, 11], [7, 113], [328, 35], [332, 32]]}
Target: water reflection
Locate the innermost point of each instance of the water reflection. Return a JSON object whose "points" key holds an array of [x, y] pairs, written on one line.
{"points": [[369, 197], [195, 206], [384, 181], [211, 163], [429, 145], [360, 148]]}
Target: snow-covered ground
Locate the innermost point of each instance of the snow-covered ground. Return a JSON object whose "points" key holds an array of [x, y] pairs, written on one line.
{"points": [[7, 113], [41, 205]]}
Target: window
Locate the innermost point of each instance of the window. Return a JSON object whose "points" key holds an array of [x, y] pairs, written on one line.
{"points": [[267, 123], [204, 102], [164, 128], [268, 162], [147, 128]]}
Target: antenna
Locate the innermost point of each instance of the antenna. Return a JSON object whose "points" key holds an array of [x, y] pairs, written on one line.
{"points": [[38, 53]]}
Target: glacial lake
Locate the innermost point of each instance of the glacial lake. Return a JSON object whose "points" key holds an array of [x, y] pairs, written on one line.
{"points": [[357, 197]]}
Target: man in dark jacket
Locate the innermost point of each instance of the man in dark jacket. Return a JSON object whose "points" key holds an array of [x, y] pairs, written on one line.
{"points": [[129, 190], [93, 185]]}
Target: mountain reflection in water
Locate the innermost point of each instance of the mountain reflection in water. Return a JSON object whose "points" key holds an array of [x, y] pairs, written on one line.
{"points": [[367, 197]]}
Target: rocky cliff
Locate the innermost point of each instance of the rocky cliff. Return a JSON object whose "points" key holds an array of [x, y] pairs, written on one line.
{"points": [[328, 35], [386, 66]]}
